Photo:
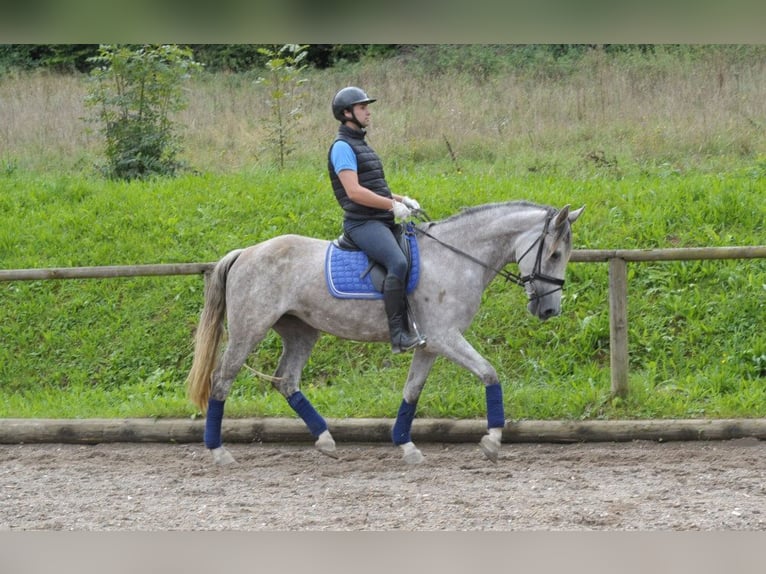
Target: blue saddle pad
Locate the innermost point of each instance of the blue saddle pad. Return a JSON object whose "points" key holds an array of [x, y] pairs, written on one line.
{"points": [[348, 276]]}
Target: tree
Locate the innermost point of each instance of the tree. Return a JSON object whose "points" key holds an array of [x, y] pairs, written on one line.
{"points": [[284, 65]]}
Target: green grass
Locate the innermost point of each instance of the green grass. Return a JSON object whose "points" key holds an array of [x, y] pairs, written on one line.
{"points": [[122, 347], [665, 149]]}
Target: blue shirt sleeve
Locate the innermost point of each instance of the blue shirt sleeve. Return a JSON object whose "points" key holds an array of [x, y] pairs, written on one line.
{"points": [[342, 157]]}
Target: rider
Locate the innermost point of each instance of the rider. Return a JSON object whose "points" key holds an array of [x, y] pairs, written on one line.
{"points": [[370, 208]]}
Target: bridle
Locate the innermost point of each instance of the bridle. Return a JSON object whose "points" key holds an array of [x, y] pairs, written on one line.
{"points": [[520, 280]]}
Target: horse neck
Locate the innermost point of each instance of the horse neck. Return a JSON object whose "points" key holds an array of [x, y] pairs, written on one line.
{"points": [[491, 233]]}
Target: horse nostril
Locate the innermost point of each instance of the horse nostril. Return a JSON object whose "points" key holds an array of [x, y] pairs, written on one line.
{"points": [[548, 313]]}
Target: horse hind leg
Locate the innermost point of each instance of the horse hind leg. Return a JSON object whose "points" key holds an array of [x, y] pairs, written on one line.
{"points": [[298, 340], [234, 357]]}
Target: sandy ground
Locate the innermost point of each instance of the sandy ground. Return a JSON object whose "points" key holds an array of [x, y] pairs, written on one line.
{"points": [[716, 485]]}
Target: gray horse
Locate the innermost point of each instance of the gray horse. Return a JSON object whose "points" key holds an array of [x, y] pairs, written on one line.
{"points": [[280, 284]]}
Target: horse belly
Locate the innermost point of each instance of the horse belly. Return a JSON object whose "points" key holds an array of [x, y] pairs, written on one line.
{"points": [[355, 319]]}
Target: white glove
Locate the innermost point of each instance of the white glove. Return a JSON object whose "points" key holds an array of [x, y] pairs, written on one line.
{"points": [[411, 203], [400, 210]]}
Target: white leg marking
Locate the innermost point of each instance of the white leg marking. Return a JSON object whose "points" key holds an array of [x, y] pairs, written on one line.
{"points": [[222, 457], [411, 454], [490, 443], [326, 444]]}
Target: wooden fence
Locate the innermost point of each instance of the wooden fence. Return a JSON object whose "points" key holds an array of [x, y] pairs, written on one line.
{"points": [[618, 284], [618, 290]]}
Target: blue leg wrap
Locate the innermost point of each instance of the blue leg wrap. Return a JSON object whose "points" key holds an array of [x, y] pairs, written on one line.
{"points": [[495, 414], [401, 431], [308, 413], [213, 423]]}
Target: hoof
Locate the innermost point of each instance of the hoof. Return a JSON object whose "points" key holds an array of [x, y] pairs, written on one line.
{"points": [[411, 454], [222, 457], [490, 446], [326, 445]]}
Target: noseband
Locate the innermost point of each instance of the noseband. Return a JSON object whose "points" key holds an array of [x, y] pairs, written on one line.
{"points": [[520, 280]]}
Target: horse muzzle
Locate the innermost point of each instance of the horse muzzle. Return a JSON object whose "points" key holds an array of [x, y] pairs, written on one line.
{"points": [[543, 307]]}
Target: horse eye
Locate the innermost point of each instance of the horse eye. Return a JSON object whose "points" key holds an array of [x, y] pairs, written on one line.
{"points": [[556, 255]]}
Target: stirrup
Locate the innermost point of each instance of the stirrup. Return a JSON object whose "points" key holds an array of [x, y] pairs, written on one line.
{"points": [[417, 342]]}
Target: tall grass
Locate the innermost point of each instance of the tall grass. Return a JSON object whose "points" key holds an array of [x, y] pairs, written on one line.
{"points": [[690, 108], [664, 151]]}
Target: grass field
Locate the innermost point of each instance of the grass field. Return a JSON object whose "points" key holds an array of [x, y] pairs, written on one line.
{"points": [[666, 152]]}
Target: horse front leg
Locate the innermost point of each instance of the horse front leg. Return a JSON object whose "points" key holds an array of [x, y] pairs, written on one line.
{"points": [[422, 362], [460, 351], [490, 442]]}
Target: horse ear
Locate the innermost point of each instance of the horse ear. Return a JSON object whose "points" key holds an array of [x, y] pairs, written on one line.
{"points": [[575, 214], [561, 217]]}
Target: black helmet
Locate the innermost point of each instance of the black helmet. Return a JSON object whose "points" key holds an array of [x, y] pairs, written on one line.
{"points": [[345, 99]]}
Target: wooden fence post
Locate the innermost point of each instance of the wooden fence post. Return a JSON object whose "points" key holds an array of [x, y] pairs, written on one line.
{"points": [[618, 325]]}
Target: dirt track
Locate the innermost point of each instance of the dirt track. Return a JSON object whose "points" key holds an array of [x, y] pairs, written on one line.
{"points": [[716, 485]]}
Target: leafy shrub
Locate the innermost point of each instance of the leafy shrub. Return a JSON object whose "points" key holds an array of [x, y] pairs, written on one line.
{"points": [[135, 91]]}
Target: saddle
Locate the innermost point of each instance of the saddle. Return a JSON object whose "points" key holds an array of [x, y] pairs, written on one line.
{"points": [[351, 274]]}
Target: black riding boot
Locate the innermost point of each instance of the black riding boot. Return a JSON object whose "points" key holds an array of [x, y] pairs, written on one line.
{"points": [[396, 310]]}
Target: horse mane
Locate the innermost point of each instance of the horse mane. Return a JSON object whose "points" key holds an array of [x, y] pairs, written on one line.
{"points": [[467, 211]]}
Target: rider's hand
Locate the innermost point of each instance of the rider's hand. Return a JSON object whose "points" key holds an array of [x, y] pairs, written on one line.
{"points": [[400, 210], [411, 203]]}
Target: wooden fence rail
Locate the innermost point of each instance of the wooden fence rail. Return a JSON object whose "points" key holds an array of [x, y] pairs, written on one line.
{"points": [[618, 291], [105, 272], [618, 284]]}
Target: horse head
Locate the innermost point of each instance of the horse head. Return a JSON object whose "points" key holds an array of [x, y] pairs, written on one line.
{"points": [[542, 258]]}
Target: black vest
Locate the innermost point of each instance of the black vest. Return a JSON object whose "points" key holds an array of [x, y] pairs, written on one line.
{"points": [[369, 172]]}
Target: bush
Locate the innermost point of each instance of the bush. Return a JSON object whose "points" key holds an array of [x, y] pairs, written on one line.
{"points": [[135, 91]]}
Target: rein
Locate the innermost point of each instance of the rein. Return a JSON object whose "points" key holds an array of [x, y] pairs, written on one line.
{"points": [[519, 280]]}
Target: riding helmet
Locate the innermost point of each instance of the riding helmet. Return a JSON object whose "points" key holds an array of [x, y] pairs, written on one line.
{"points": [[346, 98]]}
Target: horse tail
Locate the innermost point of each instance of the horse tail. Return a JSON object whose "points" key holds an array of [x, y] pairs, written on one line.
{"points": [[209, 333]]}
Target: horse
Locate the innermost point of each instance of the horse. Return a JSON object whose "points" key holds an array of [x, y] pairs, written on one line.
{"points": [[280, 284]]}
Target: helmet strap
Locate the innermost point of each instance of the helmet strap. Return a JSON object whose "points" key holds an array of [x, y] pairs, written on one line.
{"points": [[353, 119]]}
